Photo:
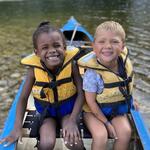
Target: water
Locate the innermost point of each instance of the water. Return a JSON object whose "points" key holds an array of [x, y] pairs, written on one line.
{"points": [[19, 18]]}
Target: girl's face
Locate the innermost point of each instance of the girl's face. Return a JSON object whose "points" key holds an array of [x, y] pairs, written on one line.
{"points": [[107, 46], [50, 49]]}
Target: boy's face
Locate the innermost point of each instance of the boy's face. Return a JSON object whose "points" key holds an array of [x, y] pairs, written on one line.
{"points": [[107, 46], [50, 49]]}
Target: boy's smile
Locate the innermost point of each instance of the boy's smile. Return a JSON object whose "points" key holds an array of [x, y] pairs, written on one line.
{"points": [[107, 46]]}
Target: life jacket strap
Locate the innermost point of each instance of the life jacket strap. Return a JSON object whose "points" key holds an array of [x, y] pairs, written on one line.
{"points": [[118, 84], [52, 85]]}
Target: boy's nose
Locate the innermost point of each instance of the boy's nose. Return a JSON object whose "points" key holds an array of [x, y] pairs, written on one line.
{"points": [[107, 44]]}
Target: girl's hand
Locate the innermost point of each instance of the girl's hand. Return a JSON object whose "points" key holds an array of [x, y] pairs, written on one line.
{"points": [[111, 131], [13, 137], [71, 133]]}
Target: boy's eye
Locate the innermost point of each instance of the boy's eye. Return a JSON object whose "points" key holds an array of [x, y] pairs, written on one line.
{"points": [[101, 41], [115, 41]]}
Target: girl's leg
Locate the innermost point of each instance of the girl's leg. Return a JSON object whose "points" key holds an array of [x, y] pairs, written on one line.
{"points": [[123, 130], [47, 134], [97, 130], [72, 144]]}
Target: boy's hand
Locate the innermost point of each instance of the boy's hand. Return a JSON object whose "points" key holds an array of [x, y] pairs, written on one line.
{"points": [[111, 131], [13, 137], [136, 104], [71, 133]]}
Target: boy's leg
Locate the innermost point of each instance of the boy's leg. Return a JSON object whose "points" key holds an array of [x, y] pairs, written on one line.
{"points": [[97, 130], [76, 142], [47, 134], [123, 130]]}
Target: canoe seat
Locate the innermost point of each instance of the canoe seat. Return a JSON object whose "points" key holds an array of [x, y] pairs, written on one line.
{"points": [[31, 119]]}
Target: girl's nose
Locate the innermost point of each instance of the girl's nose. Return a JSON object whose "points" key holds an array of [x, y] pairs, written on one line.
{"points": [[53, 50]]}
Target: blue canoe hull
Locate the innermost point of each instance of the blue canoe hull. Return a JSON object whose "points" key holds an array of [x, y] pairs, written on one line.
{"points": [[141, 128], [9, 124], [73, 24]]}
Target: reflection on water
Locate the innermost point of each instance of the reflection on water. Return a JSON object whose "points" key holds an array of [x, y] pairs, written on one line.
{"points": [[18, 20]]}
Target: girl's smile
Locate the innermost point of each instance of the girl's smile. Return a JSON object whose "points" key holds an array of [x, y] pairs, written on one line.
{"points": [[50, 49]]}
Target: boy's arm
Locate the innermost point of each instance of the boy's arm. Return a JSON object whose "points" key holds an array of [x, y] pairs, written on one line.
{"points": [[21, 107], [91, 101]]}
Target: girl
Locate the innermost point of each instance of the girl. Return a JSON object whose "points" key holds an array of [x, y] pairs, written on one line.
{"points": [[55, 82]]}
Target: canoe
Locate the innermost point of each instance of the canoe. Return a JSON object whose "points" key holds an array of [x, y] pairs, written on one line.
{"points": [[77, 35], [73, 32]]}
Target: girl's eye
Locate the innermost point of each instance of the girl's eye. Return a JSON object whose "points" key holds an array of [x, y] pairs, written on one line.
{"points": [[57, 45], [45, 48]]}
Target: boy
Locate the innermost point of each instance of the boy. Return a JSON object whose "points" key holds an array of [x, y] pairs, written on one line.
{"points": [[108, 84]]}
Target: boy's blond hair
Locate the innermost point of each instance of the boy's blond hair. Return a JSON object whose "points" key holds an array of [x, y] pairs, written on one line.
{"points": [[111, 26]]}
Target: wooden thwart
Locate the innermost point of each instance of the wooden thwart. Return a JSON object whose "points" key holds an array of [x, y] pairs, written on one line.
{"points": [[85, 134], [32, 115]]}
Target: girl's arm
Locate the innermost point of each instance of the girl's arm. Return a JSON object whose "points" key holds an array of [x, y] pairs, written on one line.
{"points": [[22, 104], [21, 108], [80, 95], [71, 133]]}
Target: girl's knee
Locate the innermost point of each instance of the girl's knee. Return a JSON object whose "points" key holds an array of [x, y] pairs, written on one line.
{"points": [[47, 135], [47, 144]]}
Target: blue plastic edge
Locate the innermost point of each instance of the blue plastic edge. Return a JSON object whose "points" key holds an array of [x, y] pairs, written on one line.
{"points": [[142, 129], [9, 123]]}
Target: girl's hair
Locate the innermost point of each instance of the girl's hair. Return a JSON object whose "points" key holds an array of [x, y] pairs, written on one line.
{"points": [[111, 26], [46, 27]]}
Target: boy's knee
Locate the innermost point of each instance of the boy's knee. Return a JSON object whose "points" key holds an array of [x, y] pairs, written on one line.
{"points": [[126, 135], [100, 137], [127, 132]]}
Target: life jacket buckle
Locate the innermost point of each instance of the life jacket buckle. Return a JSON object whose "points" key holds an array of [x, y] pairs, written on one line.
{"points": [[52, 84]]}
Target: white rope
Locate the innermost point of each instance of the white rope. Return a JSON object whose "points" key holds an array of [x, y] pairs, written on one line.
{"points": [[73, 34]]}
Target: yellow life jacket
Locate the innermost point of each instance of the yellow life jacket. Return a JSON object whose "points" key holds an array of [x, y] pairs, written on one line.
{"points": [[52, 88], [116, 88]]}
